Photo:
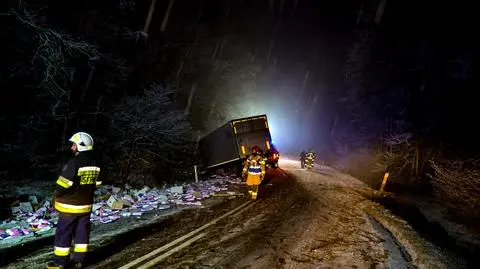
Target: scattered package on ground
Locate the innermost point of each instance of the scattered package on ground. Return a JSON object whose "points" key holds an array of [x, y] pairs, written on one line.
{"points": [[31, 218], [36, 217]]}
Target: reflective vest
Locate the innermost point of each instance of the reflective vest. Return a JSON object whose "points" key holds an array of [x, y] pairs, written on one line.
{"points": [[255, 165], [77, 183]]}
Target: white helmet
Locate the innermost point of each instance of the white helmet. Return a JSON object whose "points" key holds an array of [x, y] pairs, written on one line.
{"points": [[83, 141]]}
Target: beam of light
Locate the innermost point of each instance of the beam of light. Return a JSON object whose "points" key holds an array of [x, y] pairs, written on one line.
{"points": [[285, 124]]}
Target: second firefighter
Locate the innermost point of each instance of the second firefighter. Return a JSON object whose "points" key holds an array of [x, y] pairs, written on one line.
{"points": [[254, 170]]}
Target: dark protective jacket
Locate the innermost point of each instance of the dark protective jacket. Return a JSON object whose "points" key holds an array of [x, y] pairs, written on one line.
{"points": [[303, 155], [77, 183]]}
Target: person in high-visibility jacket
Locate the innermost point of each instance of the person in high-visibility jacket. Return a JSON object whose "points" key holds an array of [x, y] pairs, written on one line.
{"points": [[310, 159], [73, 200], [254, 170]]}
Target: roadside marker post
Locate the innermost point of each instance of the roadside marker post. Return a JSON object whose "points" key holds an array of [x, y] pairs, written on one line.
{"points": [[384, 182]]}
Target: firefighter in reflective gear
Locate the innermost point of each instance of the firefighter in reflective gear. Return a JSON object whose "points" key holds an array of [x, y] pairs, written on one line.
{"points": [[73, 200], [254, 170], [310, 159]]}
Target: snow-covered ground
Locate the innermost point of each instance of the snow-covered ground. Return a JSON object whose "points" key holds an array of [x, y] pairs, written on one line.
{"points": [[431, 210], [335, 226], [341, 191], [139, 208]]}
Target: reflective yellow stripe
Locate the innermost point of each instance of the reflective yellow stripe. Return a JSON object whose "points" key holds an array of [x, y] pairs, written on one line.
{"points": [[80, 248], [66, 208], [88, 174], [61, 251], [88, 168], [98, 183], [64, 182]]}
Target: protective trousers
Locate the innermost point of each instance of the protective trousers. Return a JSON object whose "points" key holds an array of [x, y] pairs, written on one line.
{"points": [[71, 227], [253, 180], [253, 190]]}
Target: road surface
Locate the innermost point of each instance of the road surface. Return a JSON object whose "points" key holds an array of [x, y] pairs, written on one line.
{"points": [[303, 219]]}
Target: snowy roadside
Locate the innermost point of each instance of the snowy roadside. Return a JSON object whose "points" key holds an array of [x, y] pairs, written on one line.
{"points": [[364, 223], [116, 210], [435, 213]]}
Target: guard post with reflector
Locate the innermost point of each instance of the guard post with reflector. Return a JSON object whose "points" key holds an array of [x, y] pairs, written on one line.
{"points": [[384, 182]]}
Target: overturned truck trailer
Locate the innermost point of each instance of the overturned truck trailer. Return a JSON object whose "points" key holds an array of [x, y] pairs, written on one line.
{"points": [[229, 145]]}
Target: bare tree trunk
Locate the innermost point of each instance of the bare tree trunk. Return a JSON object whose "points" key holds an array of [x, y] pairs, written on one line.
{"points": [[272, 40], [312, 105], [167, 16], [212, 107], [97, 110], [219, 48], [417, 158], [149, 17], [271, 6], [227, 9], [270, 48], [275, 62], [66, 117], [179, 72], [360, 14], [380, 11], [200, 14], [197, 141], [332, 132], [87, 84], [215, 51], [183, 62], [190, 51], [282, 2], [190, 98], [304, 83], [317, 53], [295, 4], [302, 88]]}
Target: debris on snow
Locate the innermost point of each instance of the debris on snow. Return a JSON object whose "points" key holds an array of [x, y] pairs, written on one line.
{"points": [[176, 189], [26, 207], [34, 218], [27, 221], [114, 203]]}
